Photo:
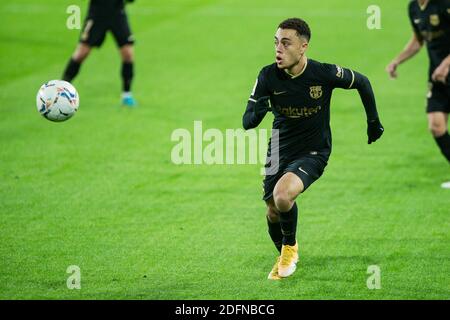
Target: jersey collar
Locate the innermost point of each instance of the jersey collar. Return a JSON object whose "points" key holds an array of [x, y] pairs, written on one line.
{"points": [[423, 7], [297, 75]]}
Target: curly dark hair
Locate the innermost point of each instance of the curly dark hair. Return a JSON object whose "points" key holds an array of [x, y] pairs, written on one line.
{"points": [[298, 25]]}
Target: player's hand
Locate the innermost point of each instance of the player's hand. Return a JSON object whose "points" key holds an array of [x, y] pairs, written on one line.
{"points": [[374, 130], [441, 73], [392, 69], [262, 106]]}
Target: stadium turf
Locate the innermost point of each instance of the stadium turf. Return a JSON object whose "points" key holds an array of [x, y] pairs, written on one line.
{"points": [[100, 191]]}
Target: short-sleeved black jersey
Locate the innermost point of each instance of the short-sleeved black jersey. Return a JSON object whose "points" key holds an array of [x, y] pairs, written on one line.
{"points": [[301, 105], [432, 25]]}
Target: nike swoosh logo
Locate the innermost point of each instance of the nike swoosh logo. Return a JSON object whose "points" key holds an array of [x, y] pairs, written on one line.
{"points": [[300, 168], [278, 93], [416, 20]]}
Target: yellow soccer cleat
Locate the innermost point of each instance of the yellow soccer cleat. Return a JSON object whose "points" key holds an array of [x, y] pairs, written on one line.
{"points": [[273, 275], [288, 260]]}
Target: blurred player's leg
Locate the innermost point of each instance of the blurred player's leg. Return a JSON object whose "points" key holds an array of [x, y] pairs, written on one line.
{"points": [[92, 35], [438, 124], [127, 54], [121, 31], [285, 192], [273, 222], [74, 64]]}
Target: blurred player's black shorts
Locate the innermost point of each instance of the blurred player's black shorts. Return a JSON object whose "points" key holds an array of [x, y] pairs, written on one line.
{"points": [[438, 98], [308, 168], [96, 27]]}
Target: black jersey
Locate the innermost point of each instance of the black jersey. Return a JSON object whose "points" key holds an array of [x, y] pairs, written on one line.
{"points": [[301, 105], [432, 25], [106, 7]]}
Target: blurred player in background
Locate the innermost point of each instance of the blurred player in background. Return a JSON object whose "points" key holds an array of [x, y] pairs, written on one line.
{"points": [[104, 16], [430, 21], [299, 90]]}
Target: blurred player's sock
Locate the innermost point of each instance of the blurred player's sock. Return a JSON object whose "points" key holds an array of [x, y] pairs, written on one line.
{"points": [[275, 233], [446, 185], [128, 100], [288, 222], [72, 69], [444, 144], [127, 75]]}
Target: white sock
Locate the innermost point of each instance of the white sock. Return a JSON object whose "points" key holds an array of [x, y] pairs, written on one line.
{"points": [[126, 94]]}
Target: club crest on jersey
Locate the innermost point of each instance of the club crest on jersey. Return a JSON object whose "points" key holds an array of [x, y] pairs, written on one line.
{"points": [[315, 92], [434, 20]]}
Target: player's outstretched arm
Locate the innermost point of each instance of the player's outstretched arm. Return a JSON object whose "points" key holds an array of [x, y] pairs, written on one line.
{"points": [[255, 112], [410, 50], [374, 127], [258, 103]]}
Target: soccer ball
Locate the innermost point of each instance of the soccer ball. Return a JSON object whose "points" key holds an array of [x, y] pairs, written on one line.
{"points": [[57, 100]]}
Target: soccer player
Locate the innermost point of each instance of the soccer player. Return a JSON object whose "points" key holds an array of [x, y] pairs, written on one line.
{"points": [[430, 21], [104, 16], [299, 90]]}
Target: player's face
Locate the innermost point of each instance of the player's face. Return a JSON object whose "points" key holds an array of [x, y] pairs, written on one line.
{"points": [[289, 48]]}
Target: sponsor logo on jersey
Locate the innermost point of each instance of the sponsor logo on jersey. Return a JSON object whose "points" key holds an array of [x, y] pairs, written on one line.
{"points": [[277, 93], [434, 20], [430, 36], [298, 112], [315, 92]]}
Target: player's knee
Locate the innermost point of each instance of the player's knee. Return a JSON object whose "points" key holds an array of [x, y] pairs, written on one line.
{"points": [[437, 128], [272, 214], [81, 54], [127, 53], [283, 201]]}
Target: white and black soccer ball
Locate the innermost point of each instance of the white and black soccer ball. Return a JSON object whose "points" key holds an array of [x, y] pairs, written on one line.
{"points": [[57, 100]]}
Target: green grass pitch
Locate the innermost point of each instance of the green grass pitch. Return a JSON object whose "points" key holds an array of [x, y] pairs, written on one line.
{"points": [[100, 191]]}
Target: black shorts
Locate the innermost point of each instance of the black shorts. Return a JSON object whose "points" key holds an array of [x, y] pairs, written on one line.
{"points": [[308, 168], [96, 27], [438, 98]]}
